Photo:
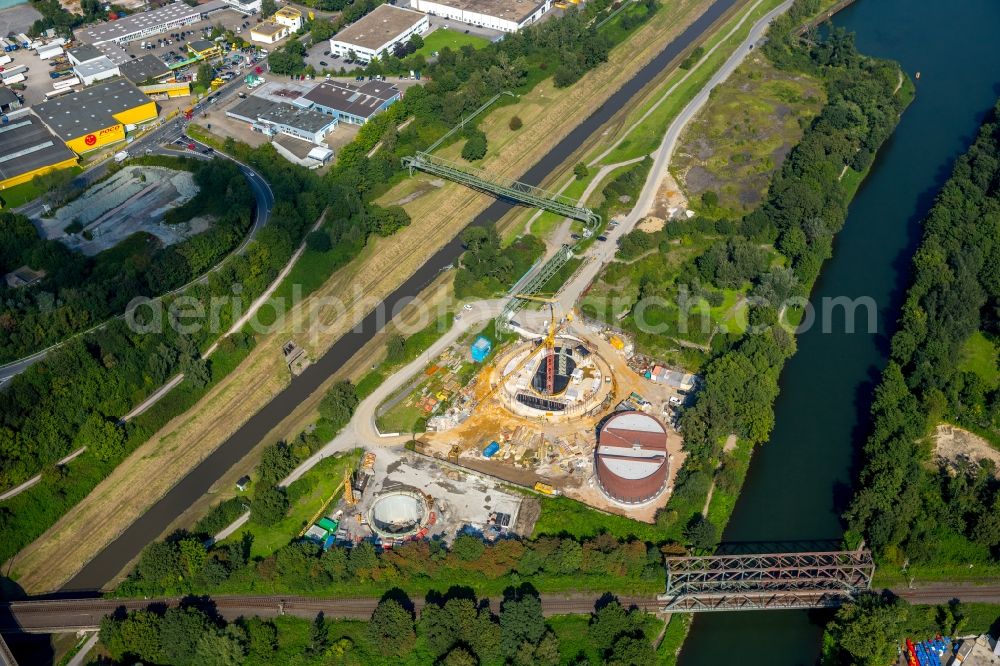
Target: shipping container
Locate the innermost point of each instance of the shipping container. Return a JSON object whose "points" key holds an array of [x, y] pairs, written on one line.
{"points": [[4, 59], [17, 78], [66, 83], [491, 450]]}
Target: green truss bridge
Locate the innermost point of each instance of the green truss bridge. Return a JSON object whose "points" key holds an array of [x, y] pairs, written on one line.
{"points": [[510, 190]]}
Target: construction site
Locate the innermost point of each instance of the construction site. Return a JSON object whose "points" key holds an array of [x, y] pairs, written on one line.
{"points": [[538, 412]]}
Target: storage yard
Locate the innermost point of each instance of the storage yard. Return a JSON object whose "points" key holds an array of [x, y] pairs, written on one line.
{"points": [[501, 412], [134, 199]]}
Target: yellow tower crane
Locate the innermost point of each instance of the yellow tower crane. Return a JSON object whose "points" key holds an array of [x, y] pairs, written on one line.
{"points": [[549, 343], [348, 490]]}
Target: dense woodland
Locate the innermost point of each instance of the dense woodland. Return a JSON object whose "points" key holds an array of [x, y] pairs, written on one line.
{"points": [[79, 291], [911, 507], [454, 629]]}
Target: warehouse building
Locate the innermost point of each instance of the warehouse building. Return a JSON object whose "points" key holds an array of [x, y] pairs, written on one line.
{"points": [[353, 103], [631, 463], [502, 15], [269, 32], [204, 49], [282, 118], [145, 69], [379, 31], [97, 116], [29, 149], [245, 6], [96, 70], [146, 24]]}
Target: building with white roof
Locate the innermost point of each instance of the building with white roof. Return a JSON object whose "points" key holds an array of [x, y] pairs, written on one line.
{"points": [[502, 15], [146, 24], [368, 37], [630, 462]]}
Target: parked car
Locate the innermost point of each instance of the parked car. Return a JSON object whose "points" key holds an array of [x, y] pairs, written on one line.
{"points": [[323, 63], [602, 238]]}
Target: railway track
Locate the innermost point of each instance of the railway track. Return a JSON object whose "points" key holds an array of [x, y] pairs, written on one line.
{"points": [[71, 615]]}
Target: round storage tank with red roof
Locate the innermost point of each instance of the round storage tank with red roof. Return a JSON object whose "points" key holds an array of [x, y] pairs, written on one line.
{"points": [[631, 457]]}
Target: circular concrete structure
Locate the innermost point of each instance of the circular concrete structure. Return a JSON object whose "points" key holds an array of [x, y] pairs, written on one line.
{"points": [[630, 461], [563, 366], [398, 514]]}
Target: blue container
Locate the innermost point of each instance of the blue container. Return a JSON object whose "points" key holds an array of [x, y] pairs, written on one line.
{"points": [[491, 450], [481, 349]]}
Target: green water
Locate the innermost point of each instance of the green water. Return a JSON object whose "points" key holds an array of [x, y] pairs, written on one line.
{"points": [[800, 481], [4, 4]]}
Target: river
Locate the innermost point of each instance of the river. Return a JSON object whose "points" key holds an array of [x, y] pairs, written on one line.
{"points": [[800, 481]]}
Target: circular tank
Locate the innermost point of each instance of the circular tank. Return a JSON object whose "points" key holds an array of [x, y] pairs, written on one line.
{"points": [[631, 457], [398, 514]]}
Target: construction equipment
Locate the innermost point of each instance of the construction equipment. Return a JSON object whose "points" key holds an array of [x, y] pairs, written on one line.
{"points": [[549, 343], [348, 490]]}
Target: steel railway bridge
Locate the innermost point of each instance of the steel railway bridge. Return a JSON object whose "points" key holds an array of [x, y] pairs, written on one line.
{"points": [[766, 582]]}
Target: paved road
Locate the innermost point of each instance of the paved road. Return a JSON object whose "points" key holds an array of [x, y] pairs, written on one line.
{"points": [[71, 615]]}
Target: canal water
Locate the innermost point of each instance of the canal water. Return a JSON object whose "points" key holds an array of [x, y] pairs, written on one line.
{"points": [[800, 481]]}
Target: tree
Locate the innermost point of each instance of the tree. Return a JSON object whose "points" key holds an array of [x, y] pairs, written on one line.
{"points": [[104, 438], [468, 547], [205, 74], [475, 146], [262, 637], [581, 171], [220, 649], [140, 633], [339, 403], [632, 651], [459, 656], [867, 631], [416, 42], [269, 506], [319, 636], [395, 348], [391, 628], [180, 631], [268, 7], [521, 621], [351, 55], [709, 199], [700, 533], [319, 241], [515, 123]]}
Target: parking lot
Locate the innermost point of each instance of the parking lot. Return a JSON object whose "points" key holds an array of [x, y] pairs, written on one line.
{"points": [[37, 80], [172, 45]]}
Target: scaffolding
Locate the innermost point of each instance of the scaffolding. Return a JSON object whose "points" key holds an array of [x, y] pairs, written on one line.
{"points": [[762, 582]]}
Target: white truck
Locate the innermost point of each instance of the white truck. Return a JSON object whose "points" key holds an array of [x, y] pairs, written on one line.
{"points": [[17, 78], [4, 59], [121, 156]]}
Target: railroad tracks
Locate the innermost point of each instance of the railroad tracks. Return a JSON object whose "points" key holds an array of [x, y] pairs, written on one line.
{"points": [[71, 615]]}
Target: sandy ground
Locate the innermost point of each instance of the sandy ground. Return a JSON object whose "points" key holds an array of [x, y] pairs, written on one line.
{"points": [[953, 443], [381, 267]]}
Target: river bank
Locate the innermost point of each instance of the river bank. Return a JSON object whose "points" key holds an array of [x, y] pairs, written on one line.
{"points": [[799, 483]]}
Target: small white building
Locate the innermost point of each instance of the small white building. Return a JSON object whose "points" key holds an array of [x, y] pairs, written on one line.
{"points": [[96, 70], [288, 16], [248, 7], [502, 15], [269, 32], [379, 31]]}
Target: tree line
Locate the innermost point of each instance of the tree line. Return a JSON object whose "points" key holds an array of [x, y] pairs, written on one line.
{"points": [[455, 628], [910, 507]]}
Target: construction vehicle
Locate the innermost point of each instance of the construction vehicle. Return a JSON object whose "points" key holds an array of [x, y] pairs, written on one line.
{"points": [[348, 490]]}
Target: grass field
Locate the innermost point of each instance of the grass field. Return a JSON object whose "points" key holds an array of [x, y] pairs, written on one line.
{"points": [[741, 137], [21, 194], [453, 39], [561, 515], [979, 355], [325, 479]]}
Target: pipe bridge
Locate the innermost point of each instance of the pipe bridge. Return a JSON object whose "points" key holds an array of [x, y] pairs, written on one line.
{"points": [[511, 190], [765, 582]]}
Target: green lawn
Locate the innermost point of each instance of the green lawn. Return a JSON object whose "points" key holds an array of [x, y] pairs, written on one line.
{"points": [[979, 355], [561, 515], [454, 40], [324, 478]]}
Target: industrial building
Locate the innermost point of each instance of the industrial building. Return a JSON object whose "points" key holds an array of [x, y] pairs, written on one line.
{"points": [[204, 49], [377, 32], [502, 15], [245, 6], [631, 463], [146, 24], [97, 116], [9, 101], [96, 70], [29, 149], [269, 32], [280, 117], [144, 69], [353, 103]]}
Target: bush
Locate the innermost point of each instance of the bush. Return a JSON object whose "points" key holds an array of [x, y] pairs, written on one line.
{"points": [[319, 241], [475, 146], [515, 123]]}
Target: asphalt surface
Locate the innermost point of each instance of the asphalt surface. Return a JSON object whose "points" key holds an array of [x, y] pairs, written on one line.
{"points": [[110, 561], [71, 615], [152, 141]]}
